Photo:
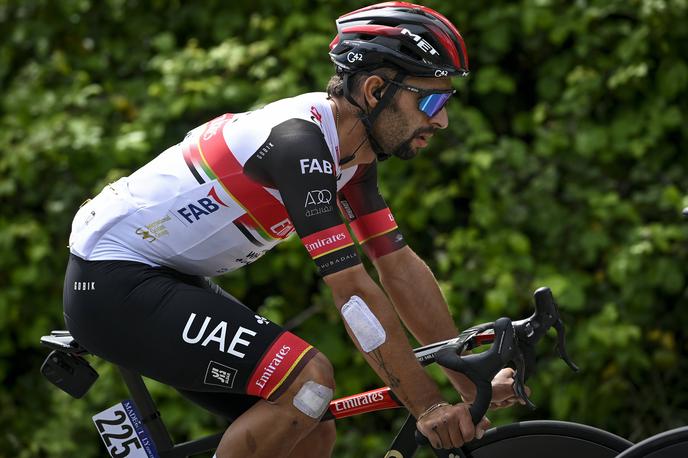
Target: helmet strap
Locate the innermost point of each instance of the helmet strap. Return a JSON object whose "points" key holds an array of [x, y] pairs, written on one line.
{"points": [[368, 118]]}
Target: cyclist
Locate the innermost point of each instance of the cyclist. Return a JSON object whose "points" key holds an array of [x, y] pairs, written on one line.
{"points": [[136, 287]]}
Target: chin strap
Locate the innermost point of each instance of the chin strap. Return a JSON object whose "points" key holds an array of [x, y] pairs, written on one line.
{"points": [[348, 159], [368, 118]]}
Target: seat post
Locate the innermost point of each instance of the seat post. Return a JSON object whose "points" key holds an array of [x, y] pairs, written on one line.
{"points": [[150, 416]]}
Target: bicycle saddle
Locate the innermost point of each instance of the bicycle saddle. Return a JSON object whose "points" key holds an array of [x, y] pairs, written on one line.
{"points": [[64, 342]]}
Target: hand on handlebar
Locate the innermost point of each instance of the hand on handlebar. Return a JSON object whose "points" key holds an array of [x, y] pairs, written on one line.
{"points": [[513, 343], [503, 394], [451, 426]]}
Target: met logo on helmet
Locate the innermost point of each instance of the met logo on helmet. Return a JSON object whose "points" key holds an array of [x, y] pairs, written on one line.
{"points": [[420, 42], [204, 206]]}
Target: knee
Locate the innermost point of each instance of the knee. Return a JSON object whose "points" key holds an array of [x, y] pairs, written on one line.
{"points": [[312, 389], [320, 370]]}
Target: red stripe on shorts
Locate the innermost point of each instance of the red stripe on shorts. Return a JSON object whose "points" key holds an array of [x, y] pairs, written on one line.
{"points": [[279, 366]]}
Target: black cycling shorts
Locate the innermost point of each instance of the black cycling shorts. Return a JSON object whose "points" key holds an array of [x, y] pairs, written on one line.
{"points": [[181, 330]]}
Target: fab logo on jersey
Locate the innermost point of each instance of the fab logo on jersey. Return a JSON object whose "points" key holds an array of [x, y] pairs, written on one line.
{"points": [[204, 206], [315, 166]]}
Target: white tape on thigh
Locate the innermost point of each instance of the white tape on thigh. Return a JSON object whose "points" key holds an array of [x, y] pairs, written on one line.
{"points": [[365, 326], [313, 399]]}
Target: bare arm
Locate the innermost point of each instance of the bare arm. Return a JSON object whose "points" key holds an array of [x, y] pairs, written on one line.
{"points": [[419, 302], [393, 361], [412, 287], [445, 425]]}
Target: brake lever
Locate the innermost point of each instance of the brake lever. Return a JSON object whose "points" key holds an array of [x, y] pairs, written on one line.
{"points": [[561, 345], [519, 384], [531, 330]]}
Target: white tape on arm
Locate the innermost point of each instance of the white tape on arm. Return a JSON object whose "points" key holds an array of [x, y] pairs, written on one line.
{"points": [[313, 399], [365, 326]]}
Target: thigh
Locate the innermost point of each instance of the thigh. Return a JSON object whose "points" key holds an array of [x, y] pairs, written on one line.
{"points": [[227, 405], [177, 330]]}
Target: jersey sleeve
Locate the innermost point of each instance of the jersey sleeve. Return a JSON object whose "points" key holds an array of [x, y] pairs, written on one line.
{"points": [[370, 219], [299, 166]]}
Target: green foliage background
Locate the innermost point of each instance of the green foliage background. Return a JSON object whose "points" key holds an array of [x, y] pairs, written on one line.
{"points": [[564, 165]]}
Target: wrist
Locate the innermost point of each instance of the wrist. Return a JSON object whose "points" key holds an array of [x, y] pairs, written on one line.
{"points": [[424, 401], [418, 405], [431, 409]]}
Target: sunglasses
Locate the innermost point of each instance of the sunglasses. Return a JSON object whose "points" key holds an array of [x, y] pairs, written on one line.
{"points": [[431, 100]]}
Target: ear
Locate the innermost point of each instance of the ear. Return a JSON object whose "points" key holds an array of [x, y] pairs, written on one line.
{"points": [[373, 88]]}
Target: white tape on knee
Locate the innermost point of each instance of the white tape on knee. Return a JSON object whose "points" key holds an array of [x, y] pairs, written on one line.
{"points": [[313, 399], [365, 326]]}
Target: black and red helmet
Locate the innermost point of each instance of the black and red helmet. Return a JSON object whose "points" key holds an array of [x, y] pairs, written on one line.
{"points": [[413, 38]]}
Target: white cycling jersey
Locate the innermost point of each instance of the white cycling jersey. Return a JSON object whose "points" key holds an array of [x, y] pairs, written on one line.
{"points": [[216, 201]]}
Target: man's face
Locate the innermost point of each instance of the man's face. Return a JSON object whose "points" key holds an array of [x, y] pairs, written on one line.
{"points": [[402, 128]]}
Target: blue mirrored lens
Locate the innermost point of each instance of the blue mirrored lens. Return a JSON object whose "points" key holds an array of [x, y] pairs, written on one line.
{"points": [[433, 103]]}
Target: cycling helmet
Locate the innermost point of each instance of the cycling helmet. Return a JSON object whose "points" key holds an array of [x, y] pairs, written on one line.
{"points": [[412, 39], [417, 40]]}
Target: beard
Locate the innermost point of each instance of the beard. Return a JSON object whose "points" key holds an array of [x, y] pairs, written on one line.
{"points": [[394, 127], [404, 150]]}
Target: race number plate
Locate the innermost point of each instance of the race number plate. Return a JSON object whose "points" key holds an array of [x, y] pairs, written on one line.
{"points": [[123, 433]]}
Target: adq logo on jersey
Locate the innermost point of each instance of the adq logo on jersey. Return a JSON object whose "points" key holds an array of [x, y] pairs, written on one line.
{"points": [[318, 202], [202, 207], [318, 196]]}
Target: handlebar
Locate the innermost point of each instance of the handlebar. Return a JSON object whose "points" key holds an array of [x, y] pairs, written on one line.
{"points": [[482, 368], [513, 343]]}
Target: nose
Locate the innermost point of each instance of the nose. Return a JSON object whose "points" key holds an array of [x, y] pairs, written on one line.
{"points": [[441, 119]]}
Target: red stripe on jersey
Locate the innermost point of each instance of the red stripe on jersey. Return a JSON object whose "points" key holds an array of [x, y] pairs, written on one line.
{"points": [[373, 225], [279, 365], [380, 246], [327, 241], [263, 207]]}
